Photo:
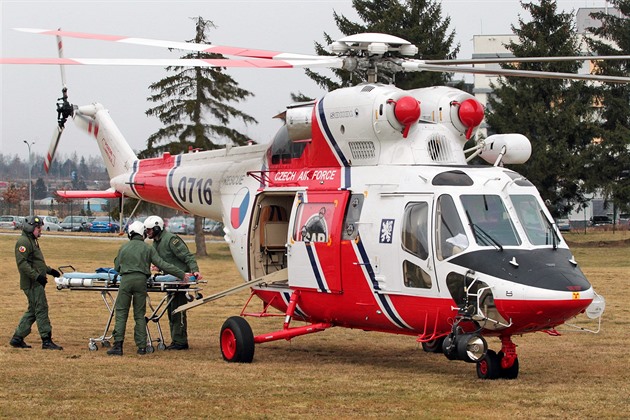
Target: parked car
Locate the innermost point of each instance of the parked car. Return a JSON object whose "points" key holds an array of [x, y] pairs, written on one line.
{"points": [[103, 224], [564, 225], [10, 222], [181, 225], [212, 227], [600, 221], [74, 223], [51, 224]]}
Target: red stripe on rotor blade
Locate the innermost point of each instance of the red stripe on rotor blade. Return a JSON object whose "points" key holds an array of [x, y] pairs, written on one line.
{"points": [[86, 36], [243, 52]]}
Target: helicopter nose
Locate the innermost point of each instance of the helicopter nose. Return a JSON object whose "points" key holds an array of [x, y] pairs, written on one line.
{"points": [[558, 296]]}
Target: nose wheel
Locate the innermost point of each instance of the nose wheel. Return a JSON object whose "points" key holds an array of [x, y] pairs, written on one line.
{"points": [[502, 365]]}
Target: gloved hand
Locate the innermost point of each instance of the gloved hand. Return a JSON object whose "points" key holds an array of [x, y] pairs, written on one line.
{"points": [[55, 273], [41, 279]]}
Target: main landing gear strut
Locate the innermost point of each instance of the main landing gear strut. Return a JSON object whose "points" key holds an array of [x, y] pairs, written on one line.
{"points": [[238, 342]]}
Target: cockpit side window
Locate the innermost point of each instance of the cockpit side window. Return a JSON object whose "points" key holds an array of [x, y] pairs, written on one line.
{"points": [[451, 238], [415, 238], [489, 220], [530, 214]]}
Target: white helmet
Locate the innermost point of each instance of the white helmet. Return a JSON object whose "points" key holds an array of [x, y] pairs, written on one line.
{"points": [[135, 228], [154, 221]]}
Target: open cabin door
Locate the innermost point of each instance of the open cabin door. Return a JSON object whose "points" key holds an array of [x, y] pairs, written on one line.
{"points": [[314, 250], [269, 233]]}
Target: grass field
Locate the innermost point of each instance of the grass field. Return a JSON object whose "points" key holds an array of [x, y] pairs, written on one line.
{"points": [[337, 373]]}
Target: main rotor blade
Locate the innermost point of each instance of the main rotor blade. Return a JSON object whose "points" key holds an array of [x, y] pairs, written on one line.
{"points": [[330, 62], [188, 46], [60, 54], [423, 66], [499, 60], [52, 149]]}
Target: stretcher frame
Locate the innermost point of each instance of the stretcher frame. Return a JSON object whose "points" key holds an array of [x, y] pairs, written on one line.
{"points": [[108, 283]]}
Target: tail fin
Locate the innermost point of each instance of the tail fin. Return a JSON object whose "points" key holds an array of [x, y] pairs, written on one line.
{"points": [[117, 154]]}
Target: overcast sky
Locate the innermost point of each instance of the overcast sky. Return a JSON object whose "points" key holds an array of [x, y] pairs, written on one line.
{"points": [[29, 93]]}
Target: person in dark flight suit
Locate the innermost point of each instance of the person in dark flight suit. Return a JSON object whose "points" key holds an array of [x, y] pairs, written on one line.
{"points": [[173, 250], [33, 269], [133, 264]]}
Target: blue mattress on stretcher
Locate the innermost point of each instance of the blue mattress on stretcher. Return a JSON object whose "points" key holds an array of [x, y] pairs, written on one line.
{"points": [[110, 275]]}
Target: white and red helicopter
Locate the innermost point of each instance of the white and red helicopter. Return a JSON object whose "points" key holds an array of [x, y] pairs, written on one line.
{"points": [[363, 212]]}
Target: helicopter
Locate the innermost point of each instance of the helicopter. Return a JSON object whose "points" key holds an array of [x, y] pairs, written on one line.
{"points": [[363, 211]]}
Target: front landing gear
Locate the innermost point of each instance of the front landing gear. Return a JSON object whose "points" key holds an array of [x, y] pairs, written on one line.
{"points": [[502, 365]]}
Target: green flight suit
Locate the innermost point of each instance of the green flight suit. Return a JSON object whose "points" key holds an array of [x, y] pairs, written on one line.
{"points": [[175, 251], [133, 264], [30, 263]]}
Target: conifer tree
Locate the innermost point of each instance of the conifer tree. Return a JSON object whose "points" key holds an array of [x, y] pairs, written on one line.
{"points": [[610, 166], [196, 108], [195, 104], [556, 115]]}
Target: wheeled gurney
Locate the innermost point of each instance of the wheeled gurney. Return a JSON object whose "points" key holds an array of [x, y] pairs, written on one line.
{"points": [[107, 282]]}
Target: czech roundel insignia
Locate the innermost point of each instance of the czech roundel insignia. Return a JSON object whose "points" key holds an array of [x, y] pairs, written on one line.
{"points": [[22, 248], [240, 204]]}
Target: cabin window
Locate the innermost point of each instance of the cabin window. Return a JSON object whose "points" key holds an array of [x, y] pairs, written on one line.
{"points": [[415, 235], [415, 276], [538, 230], [451, 238], [489, 220]]}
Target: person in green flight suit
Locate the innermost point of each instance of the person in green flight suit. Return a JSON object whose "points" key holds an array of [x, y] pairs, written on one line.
{"points": [[133, 264], [33, 269], [173, 250]]}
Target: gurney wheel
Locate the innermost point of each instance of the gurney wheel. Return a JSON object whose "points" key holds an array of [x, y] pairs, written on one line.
{"points": [[161, 346], [198, 296], [150, 349], [106, 343], [189, 298], [92, 346]]}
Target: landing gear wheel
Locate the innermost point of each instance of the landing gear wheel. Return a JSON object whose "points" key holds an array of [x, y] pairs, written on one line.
{"points": [[433, 346], [237, 340], [490, 366], [511, 372]]}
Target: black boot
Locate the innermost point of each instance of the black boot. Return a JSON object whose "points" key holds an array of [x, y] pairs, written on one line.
{"points": [[48, 344], [18, 342], [117, 349], [177, 346], [142, 350]]}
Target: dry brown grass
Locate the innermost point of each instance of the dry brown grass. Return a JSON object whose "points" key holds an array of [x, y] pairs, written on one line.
{"points": [[336, 373]]}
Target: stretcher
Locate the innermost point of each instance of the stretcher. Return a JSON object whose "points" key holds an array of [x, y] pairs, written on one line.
{"points": [[107, 281]]}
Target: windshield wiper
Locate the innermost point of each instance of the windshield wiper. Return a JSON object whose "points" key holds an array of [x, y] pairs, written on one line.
{"points": [[554, 235], [483, 235]]}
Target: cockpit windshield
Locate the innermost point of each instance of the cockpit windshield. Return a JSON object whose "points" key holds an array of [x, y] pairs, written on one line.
{"points": [[537, 227], [490, 221]]}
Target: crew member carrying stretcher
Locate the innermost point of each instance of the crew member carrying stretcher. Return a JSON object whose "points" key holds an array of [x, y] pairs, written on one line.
{"points": [[173, 250], [133, 263]]}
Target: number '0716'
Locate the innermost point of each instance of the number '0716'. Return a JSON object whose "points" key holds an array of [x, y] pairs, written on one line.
{"points": [[195, 189]]}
